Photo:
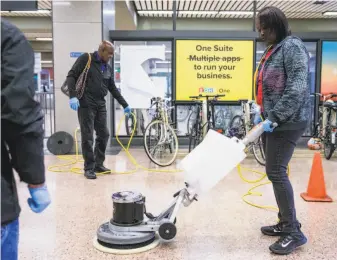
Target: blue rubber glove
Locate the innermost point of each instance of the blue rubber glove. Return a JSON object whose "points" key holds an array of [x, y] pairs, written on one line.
{"points": [[257, 118], [267, 126], [127, 110], [40, 199], [74, 103]]}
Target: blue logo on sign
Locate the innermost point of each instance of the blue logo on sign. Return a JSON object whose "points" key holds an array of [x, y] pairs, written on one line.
{"points": [[75, 54]]}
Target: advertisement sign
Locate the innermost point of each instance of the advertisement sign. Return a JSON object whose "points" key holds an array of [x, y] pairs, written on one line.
{"points": [[329, 67], [75, 54], [214, 67]]}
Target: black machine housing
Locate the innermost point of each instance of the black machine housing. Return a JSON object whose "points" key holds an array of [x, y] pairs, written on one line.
{"points": [[128, 208]]}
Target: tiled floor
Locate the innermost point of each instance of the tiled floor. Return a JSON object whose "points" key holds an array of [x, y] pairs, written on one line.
{"points": [[219, 226]]}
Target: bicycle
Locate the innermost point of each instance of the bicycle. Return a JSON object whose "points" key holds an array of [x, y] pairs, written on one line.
{"points": [[242, 124], [161, 133], [326, 127], [204, 120]]}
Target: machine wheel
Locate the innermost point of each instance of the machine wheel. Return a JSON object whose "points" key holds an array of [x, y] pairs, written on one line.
{"points": [[167, 231]]}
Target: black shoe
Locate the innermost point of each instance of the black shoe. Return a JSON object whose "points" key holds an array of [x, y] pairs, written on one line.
{"points": [[90, 174], [287, 244], [275, 230], [101, 169]]}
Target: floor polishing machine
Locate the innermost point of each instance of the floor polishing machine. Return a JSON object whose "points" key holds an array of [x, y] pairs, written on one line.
{"points": [[132, 227]]}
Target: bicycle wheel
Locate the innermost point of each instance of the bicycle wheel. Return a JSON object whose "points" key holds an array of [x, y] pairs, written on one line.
{"points": [[329, 148], [259, 152], [193, 136], [160, 143], [196, 136], [129, 124], [237, 126]]}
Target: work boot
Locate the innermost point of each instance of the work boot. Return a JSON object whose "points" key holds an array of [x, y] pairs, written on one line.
{"points": [[275, 230], [287, 244], [101, 169], [90, 174]]}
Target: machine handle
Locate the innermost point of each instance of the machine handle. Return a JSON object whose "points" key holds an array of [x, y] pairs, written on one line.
{"points": [[255, 133]]}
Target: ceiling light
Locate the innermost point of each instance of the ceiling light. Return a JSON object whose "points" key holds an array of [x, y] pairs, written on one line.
{"points": [[155, 12], [61, 3], [237, 12], [178, 12], [334, 13], [28, 12], [46, 61], [198, 12], [43, 39]]}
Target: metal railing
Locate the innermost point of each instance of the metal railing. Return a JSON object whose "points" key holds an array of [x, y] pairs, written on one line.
{"points": [[46, 99]]}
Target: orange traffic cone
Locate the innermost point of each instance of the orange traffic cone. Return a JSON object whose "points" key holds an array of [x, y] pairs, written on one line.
{"points": [[316, 188]]}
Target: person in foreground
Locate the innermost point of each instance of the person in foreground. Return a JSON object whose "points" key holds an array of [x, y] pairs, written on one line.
{"points": [[21, 136], [282, 91], [91, 106]]}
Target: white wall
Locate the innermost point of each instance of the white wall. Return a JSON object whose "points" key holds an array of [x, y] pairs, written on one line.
{"points": [[305, 25]]}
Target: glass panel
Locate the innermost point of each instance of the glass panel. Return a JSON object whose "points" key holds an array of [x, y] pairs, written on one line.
{"points": [[329, 67], [224, 115], [312, 49], [142, 71], [185, 118]]}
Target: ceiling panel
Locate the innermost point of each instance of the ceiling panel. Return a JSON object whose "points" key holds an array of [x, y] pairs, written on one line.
{"points": [[44, 5], [44, 8], [293, 9]]}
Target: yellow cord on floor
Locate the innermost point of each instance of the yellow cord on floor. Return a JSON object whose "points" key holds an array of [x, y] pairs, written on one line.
{"points": [[74, 159], [250, 191]]}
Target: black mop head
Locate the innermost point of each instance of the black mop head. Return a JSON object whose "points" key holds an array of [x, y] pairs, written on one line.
{"points": [[126, 246], [114, 242]]}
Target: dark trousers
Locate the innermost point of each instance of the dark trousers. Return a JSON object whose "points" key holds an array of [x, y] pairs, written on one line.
{"points": [[279, 147], [90, 119]]}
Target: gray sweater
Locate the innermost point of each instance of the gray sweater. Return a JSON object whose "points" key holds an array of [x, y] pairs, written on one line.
{"points": [[286, 90]]}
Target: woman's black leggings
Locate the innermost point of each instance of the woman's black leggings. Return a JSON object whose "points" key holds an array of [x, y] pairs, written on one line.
{"points": [[279, 147]]}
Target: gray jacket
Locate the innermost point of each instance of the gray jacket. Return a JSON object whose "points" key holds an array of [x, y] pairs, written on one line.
{"points": [[286, 90]]}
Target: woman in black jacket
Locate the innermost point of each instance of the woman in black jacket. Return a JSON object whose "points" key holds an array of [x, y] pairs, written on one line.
{"points": [[282, 91]]}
